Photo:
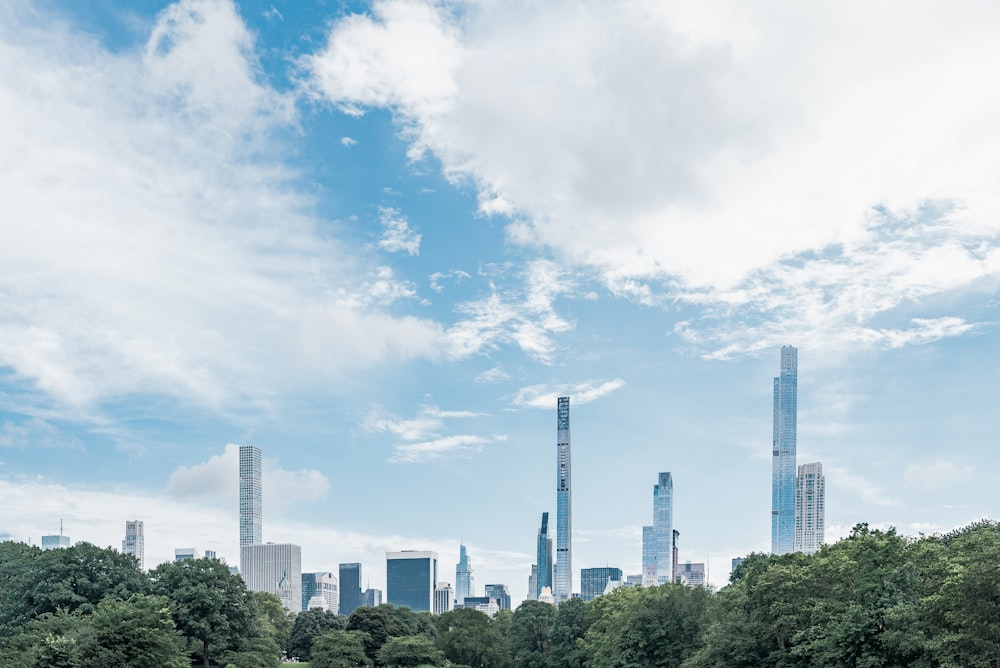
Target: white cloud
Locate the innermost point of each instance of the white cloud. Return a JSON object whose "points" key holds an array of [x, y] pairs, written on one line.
{"points": [[845, 481], [347, 141], [677, 150], [494, 375], [545, 396], [151, 241], [935, 474], [218, 479], [459, 444], [398, 236], [438, 276], [36, 433], [428, 422]]}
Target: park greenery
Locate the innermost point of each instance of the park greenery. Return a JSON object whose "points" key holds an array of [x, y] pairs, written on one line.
{"points": [[873, 599]]}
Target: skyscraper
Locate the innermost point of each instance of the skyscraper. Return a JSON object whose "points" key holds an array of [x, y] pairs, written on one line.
{"points": [[533, 587], [810, 508], [371, 598], [648, 556], [275, 568], [411, 578], [563, 575], [783, 453], [593, 581], [663, 527], [250, 496], [319, 590], [465, 582], [134, 542], [444, 598], [543, 555], [350, 588], [674, 576], [500, 594]]}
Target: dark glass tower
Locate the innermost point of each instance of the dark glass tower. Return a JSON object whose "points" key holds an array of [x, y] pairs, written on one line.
{"points": [[350, 588], [544, 557]]}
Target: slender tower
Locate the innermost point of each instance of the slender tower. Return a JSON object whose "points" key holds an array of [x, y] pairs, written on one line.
{"points": [[464, 580], [810, 508], [564, 506], [250, 496], [135, 542], [783, 453], [663, 525], [543, 554]]}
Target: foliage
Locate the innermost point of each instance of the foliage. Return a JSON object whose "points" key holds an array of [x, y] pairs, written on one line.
{"points": [[308, 625], [410, 651], [379, 624], [529, 634], [339, 649], [468, 637]]}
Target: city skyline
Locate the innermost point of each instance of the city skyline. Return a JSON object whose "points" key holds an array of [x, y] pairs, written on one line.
{"points": [[311, 228]]}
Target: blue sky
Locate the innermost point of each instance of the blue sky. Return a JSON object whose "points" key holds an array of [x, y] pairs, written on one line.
{"points": [[378, 240]]}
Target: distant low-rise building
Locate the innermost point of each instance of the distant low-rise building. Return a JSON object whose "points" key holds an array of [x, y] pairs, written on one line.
{"points": [[182, 553], [371, 597], [593, 581], [692, 575]]}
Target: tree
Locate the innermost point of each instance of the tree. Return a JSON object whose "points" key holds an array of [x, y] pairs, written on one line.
{"points": [[339, 649], [409, 652], [209, 604], [379, 624], [662, 626], [135, 633], [568, 628], [309, 625], [529, 634], [467, 637]]}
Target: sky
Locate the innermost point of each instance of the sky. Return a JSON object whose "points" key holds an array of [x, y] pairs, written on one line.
{"points": [[378, 240]]}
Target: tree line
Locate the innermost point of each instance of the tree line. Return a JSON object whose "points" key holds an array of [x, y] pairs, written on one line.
{"points": [[873, 599]]}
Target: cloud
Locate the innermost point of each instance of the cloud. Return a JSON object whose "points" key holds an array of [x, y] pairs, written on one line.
{"points": [[398, 236], [146, 219], [460, 444], [494, 375], [438, 276], [675, 150], [218, 479], [347, 141], [36, 433], [858, 486], [428, 422], [935, 474], [545, 396]]}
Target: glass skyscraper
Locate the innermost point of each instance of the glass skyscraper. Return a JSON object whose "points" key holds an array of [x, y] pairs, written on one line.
{"points": [[543, 555], [783, 453], [593, 581], [465, 583], [648, 556], [663, 527], [411, 578], [563, 575], [250, 496], [350, 588], [810, 508]]}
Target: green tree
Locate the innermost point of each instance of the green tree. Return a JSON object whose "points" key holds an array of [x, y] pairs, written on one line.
{"points": [[662, 626], [379, 624], [529, 634], [209, 604], [409, 652], [309, 625], [339, 649], [135, 633], [568, 628], [467, 637]]}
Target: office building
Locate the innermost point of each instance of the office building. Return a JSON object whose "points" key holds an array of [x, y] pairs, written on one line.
{"points": [[500, 594], [371, 597], [648, 556], [350, 588], [251, 495], [483, 604], [444, 598], [543, 557], [810, 508], [465, 582], [783, 452], [674, 577], [633, 580], [55, 542], [211, 554], [692, 575], [319, 590], [411, 577], [663, 527], [134, 542], [184, 553], [563, 575], [533, 587], [275, 568], [593, 581]]}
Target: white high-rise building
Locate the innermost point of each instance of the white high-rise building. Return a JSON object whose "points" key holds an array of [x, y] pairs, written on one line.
{"points": [[444, 598], [134, 542], [250, 495], [563, 576], [275, 568], [810, 508]]}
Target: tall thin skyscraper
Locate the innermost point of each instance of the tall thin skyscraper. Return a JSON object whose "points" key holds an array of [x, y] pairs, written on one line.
{"points": [[810, 508], [648, 556], [465, 583], [663, 527], [543, 555], [250, 496], [783, 453], [564, 506], [135, 542]]}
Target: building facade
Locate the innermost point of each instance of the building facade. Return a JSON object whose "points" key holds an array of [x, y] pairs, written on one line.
{"points": [[810, 508], [371, 597], [55, 542], [185, 553], [465, 581], [663, 527], [134, 542], [593, 581], [500, 594], [411, 577], [648, 556], [533, 587], [275, 568], [563, 575], [692, 575], [322, 586], [543, 557], [483, 604], [350, 588], [785, 425], [444, 598], [251, 495]]}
